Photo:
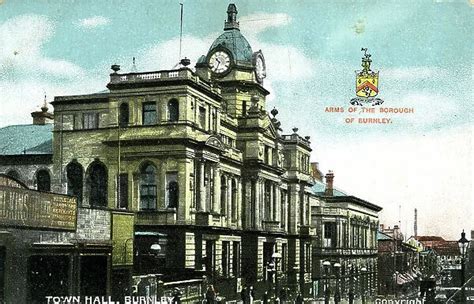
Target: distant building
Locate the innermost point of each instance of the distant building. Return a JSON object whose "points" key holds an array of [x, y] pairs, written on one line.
{"points": [[346, 229], [401, 271]]}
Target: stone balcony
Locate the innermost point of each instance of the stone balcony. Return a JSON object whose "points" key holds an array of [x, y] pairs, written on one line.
{"points": [[307, 230], [156, 217], [165, 76], [271, 226]]}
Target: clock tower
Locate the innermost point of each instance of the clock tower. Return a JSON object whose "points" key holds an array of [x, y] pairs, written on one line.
{"points": [[236, 68]]}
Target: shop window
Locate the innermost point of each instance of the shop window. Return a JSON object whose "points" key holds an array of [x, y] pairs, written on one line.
{"points": [[172, 190], [225, 258], [173, 110], [236, 259], [74, 174], [90, 120], [124, 115], [97, 184], [148, 187], [43, 181], [149, 113]]}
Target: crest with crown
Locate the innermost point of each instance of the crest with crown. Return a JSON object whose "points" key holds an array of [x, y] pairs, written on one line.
{"points": [[367, 82]]}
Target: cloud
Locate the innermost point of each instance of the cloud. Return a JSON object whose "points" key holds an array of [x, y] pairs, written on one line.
{"points": [[430, 172], [22, 39], [93, 22], [26, 73]]}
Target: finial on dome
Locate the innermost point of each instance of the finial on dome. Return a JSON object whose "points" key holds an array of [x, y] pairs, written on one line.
{"points": [[231, 22], [274, 112], [44, 108]]}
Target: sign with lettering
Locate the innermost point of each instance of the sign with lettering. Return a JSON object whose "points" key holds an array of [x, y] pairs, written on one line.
{"points": [[28, 208]]}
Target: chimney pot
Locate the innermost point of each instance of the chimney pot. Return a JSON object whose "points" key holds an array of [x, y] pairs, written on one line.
{"points": [[329, 183]]}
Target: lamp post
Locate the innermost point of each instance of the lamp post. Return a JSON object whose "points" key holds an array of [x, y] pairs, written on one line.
{"points": [[351, 283], [463, 246], [337, 295], [364, 273], [276, 256], [327, 293]]}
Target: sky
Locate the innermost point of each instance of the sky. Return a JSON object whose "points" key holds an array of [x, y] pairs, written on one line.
{"points": [[422, 50]]}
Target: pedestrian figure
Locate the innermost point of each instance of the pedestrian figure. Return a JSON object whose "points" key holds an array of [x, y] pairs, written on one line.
{"points": [[299, 299], [251, 295], [265, 298], [351, 297], [210, 295]]}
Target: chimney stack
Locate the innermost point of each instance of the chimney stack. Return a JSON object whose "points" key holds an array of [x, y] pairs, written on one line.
{"points": [[329, 184], [315, 172], [42, 117]]}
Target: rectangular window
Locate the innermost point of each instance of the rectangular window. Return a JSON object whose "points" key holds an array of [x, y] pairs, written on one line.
{"points": [[148, 197], [244, 108], [236, 259], [330, 235], [202, 117], [122, 191], [149, 113], [90, 120], [225, 258], [284, 261]]}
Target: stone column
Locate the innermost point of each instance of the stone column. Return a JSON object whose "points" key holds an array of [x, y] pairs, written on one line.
{"points": [[238, 215], [278, 203], [270, 203], [217, 188], [202, 189], [229, 200]]}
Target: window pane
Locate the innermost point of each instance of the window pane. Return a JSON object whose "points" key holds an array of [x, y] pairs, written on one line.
{"points": [[149, 113]]}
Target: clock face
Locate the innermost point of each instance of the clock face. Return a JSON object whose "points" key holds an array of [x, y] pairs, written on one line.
{"points": [[219, 62], [260, 68]]}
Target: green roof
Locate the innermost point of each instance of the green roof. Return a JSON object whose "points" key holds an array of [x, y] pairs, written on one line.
{"points": [[382, 236], [320, 187], [26, 139], [236, 43]]}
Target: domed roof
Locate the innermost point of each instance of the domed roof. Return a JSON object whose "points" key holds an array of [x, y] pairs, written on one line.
{"points": [[236, 43]]}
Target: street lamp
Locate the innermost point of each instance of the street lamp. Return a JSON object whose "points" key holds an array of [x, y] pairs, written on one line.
{"points": [[276, 256], [337, 295], [463, 246], [327, 293], [364, 272], [351, 283]]}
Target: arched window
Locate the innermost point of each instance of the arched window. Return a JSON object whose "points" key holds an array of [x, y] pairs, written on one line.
{"points": [[124, 115], [234, 200], [223, 194], [173, 110], [74, 174], [173, 194], [97, 184], [148, 187], [43, 180]]}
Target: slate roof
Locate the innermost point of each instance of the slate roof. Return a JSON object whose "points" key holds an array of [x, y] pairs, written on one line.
{"points": [[26, 139], [383, 237], [236, 43]]}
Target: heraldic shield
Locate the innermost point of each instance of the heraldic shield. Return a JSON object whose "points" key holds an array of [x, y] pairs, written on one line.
{"points": [[367, 84]]}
